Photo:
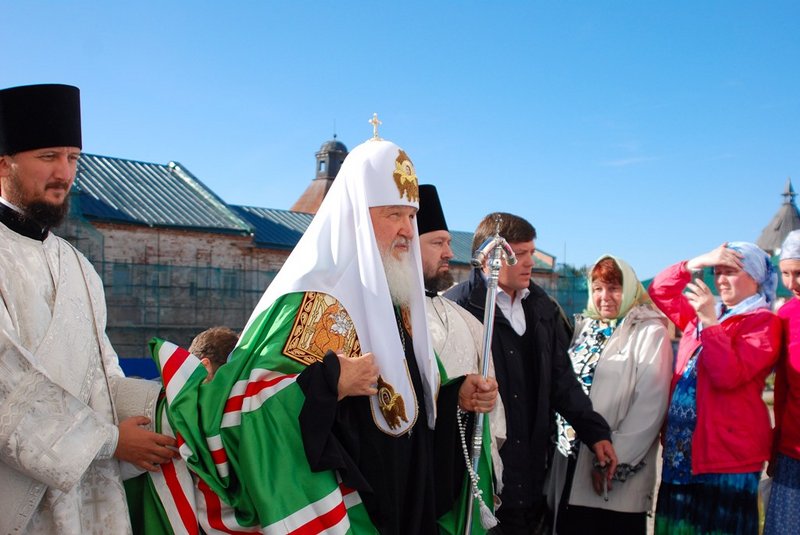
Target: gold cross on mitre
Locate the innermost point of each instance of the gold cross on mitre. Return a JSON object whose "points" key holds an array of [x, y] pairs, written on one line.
{"points": [[375, 122]]}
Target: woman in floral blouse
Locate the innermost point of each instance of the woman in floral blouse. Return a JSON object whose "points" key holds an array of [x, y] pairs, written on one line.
{"points": [[622, 357]]}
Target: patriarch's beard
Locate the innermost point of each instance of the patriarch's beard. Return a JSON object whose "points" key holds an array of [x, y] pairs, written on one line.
{"points": [[400, 275]]}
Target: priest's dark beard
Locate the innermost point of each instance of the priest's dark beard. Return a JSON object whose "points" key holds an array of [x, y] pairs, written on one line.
{"points": [[440, 282], [46, 214]]}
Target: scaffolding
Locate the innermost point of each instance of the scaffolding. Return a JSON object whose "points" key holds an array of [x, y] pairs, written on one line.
{"points": [[175, 302]]}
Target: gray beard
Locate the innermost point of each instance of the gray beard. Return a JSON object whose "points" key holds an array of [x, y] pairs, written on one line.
{"points": [[400, 277]]}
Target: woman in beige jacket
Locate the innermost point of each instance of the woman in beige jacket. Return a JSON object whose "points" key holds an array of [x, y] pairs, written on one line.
{"points": [[622, 356]]}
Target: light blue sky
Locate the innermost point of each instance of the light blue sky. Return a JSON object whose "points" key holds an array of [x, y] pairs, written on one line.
{"points": [[653, 130]]}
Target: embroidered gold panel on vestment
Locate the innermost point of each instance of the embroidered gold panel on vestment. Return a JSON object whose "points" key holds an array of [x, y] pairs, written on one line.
{"points": [[322, 323]]}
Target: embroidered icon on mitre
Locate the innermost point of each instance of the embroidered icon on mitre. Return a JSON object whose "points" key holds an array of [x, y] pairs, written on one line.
{"points": [[405, 176], [391, 403], [321, 324]]}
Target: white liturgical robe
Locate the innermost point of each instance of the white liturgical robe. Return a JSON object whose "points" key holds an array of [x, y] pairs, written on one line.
{"points": [[457, 339], [58, 373]]}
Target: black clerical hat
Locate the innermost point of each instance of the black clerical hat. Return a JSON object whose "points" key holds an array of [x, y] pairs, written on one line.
{"points": [[39, 116], [430, 216]]}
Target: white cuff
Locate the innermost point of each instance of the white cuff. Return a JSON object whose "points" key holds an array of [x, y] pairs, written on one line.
{"points": [[110, 445]]}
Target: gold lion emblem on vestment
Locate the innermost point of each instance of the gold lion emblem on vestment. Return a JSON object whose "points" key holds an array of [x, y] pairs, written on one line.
{"points": [[391, 404]]}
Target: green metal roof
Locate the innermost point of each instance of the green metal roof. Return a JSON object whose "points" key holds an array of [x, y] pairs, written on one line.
{"points": [[133, 192], [128, 191], [275, 228], [461, 245]]}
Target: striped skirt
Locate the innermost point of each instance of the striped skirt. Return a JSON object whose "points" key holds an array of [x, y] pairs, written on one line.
{"points": [[720, 504]]}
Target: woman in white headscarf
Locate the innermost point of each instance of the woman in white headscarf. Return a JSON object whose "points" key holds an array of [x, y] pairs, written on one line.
{"points": [[718, 432], [622, 356], [783, 510]]}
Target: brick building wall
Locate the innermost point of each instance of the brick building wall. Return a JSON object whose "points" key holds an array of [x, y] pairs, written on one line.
{"points": [[173, 283]]}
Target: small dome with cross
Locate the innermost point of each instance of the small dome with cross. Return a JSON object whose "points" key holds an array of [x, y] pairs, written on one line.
{"points": [[334, 145]]}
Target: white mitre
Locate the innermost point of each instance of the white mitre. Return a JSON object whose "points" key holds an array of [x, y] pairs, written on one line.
{"points": [[339, 255]]}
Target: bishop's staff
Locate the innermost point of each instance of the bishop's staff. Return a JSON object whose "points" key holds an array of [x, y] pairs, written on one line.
{"points": [[491, 251]]}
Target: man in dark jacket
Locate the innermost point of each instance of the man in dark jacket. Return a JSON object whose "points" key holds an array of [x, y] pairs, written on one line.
{"points": [[534, 373]]}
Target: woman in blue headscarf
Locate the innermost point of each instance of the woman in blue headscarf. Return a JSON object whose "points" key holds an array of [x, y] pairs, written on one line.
{"points": [[718, 431]]}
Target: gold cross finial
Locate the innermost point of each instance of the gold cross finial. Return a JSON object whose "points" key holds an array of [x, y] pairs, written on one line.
{"points": [[375, 122]]}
